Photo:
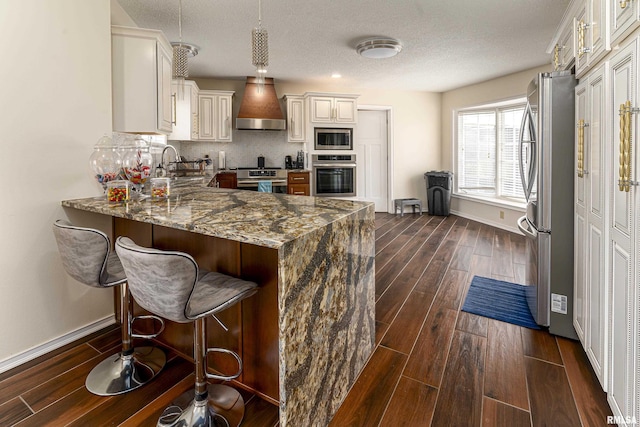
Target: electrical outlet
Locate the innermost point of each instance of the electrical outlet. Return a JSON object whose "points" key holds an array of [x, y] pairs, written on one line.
{"points": [[501, 214]]}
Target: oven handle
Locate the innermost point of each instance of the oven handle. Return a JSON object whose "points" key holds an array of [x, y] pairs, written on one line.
{"points": [[334, 165]]}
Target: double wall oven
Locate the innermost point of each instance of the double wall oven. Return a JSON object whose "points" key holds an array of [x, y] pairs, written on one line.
{"points": [[334, 175]]}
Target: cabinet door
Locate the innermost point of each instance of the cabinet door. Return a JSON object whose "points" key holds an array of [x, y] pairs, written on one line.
{"points": [[140, 81], [223, 118], [582, 29], [184, 98], [622, 391], [321, 109], [165, 106], [295, 116], [598, 29], [345, 110], [596, 208], [624, 18], [579, 277], [566, 48], [194, 112], [206, 113]]}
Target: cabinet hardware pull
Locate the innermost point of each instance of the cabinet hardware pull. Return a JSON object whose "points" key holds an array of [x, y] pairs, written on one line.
{"points": [[623, 4], [581, 126], [174, 119], [624, 170], [581, 48]]}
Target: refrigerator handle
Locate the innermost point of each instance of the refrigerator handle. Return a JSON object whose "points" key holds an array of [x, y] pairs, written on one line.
{"points": [[526, 229], [520, 146]]}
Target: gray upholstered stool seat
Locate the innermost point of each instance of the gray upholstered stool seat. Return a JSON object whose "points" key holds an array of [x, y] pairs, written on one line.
{"points": [[170, 284], [86, 257]]}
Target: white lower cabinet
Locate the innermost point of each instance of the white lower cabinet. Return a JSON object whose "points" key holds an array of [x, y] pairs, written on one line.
{"points": [[624, 275], [590, 294], [607, 220]]}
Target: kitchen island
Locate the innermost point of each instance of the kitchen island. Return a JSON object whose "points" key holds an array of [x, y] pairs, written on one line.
{"points": [[306, 335]]}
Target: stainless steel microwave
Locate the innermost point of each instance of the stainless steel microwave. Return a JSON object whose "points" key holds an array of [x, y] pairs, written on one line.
{"points": [[333, 139]]}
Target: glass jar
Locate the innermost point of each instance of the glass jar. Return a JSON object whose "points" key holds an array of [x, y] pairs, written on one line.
{"points": [[105, 161], [160, 188], [137, 162], [118, 191]]}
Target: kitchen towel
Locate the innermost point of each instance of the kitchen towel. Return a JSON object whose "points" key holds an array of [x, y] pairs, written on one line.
{"points": [[499, 300], [265, 186]]}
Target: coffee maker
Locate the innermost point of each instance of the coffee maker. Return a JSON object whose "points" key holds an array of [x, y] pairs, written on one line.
{"points": [[288, 162]]}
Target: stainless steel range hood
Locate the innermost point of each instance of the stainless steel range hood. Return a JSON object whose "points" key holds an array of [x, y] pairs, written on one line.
{"points": [[260, 109]]}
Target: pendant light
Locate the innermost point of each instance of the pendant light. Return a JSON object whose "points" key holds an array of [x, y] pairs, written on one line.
{"points": [[181, 52], [260, 49]]}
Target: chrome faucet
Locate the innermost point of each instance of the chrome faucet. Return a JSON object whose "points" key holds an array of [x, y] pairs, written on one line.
{"points": [[165, 166]]}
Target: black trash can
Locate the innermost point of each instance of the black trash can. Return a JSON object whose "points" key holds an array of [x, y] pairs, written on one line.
{"points": [[439, 192]]}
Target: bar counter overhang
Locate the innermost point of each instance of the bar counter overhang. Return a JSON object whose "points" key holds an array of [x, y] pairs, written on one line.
{"points": [[307, 334]]}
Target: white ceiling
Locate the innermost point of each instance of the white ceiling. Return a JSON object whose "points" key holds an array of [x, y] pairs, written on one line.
{"points": [[447, 43]]}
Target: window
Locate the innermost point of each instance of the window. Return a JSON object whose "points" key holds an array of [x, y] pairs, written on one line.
{"points": [[487, 152]]}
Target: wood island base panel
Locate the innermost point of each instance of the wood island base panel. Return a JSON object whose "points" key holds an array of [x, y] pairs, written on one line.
{"points": [[307, 334]]}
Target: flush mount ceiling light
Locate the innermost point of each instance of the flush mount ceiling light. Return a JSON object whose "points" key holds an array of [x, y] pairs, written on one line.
{"points": [[379, 48]]}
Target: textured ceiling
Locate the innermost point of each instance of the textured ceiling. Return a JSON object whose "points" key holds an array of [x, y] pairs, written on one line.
{"points": [[447, 43]]}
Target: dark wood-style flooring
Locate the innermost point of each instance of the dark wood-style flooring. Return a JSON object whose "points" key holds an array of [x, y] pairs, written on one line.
{"points": [[432, 365]]}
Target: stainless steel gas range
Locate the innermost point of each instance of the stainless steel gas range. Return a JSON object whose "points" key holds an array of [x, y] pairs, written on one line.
{"points": [[255, 179]]}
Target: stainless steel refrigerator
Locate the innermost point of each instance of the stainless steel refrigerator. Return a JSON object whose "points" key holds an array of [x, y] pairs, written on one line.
{"points": [[546, 168]]}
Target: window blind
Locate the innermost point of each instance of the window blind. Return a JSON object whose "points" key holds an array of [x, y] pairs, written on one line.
{"points": [[477, 149], [488, 158]]}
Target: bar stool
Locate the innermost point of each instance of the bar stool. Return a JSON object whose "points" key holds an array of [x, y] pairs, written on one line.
{"points": [[86, 257], [169, 284]]}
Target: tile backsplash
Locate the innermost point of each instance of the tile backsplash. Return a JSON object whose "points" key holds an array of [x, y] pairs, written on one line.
{"points": [[247, 145]]}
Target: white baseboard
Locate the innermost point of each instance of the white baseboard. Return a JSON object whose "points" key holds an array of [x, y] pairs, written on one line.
{"points": [[513, 229], [56, 343]]}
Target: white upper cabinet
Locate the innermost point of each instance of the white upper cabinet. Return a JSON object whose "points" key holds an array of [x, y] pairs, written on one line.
{"points": [[214, 110], [329, 108], [624, 17], [141, 81], [591, 34], [185, 111], [296, 121], [583, 37]]}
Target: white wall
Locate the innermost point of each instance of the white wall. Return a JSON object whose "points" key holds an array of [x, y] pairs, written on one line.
{"points": [[56, 103], [501, 88]]}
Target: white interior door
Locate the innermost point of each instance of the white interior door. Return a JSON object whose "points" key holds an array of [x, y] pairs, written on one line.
{"points": [[371, 149]]}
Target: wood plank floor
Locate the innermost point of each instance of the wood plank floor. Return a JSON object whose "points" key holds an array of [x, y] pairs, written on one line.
{"points": [[432, 365]]}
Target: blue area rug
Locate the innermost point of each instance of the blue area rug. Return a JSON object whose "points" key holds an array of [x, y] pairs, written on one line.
{"points": [[499, 300]]}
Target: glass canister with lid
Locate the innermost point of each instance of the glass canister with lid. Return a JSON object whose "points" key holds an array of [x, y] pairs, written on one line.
{"points": [[105, 161], [136, 161]]}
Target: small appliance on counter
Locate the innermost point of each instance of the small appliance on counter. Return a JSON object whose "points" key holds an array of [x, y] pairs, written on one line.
{"points": [[300, 160], [288, 162], [260, 162]]}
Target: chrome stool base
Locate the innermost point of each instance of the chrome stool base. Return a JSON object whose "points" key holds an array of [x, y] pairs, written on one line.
{"points": [[119, 374], [223, 408]]}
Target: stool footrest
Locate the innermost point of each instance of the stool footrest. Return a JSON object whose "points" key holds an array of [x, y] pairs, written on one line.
{"points": [[148, 336], [225, 377]]}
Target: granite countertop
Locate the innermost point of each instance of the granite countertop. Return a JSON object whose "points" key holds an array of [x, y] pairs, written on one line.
{"points": [[262, 219]]}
